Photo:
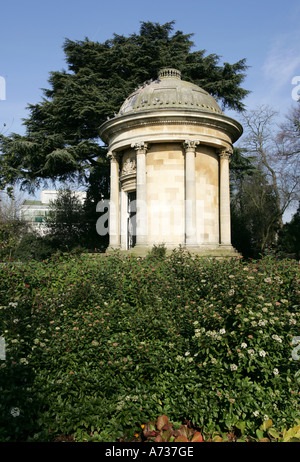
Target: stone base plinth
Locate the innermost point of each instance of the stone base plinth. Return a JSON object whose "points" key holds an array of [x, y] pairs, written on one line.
{"points": [[221, 251]]}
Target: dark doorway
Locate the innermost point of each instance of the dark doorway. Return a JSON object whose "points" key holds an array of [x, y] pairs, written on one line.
{"points": [[131, 223]]}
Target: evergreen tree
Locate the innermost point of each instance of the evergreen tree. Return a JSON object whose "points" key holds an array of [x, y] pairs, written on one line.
{"points": [[62, 139], [254, 216], [66, 221]]}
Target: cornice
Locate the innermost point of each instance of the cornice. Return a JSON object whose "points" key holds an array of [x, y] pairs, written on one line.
{"points": [[120, 124]]}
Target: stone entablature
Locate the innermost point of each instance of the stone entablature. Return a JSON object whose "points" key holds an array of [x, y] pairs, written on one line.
{"points": [[214, 130]]}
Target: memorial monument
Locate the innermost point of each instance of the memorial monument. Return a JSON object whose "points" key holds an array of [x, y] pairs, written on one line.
{"points": [[169, 148]]}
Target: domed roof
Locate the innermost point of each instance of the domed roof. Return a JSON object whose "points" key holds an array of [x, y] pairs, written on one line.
{"points": [[169, 92]]}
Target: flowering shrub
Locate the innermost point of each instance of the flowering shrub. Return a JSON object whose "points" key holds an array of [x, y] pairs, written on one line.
{"points": [[95, 346]]}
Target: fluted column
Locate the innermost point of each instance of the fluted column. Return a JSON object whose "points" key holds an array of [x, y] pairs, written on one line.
{"points": [[225, 225], [190, 192], [141, 193], [114, 220]]}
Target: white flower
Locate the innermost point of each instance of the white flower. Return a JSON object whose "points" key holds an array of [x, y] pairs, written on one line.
{"points": [[120, 405], [266, 417], [233, 367], [15, 411], [276, 337], [244, 345], [262, 353], [178, 358], [251, 352], [256, 413], [275, 371], [261, 322], [187, 353], [222, 331], [277, 278]]}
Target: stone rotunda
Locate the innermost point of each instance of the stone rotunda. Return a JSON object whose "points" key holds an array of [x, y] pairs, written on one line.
{"points": [[169, 148]]}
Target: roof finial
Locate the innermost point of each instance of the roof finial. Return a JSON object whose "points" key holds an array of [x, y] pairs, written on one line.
{"points": [[169, 73]]}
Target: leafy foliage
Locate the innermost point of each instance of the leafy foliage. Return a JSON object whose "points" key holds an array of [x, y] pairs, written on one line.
{"points": [[34, 247], [163, 431], [95, 346], [11, 232]]}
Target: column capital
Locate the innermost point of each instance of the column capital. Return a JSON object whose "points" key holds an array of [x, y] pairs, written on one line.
{"points": [[225, 153], [140, 146], [190, 145], [113, 155]]}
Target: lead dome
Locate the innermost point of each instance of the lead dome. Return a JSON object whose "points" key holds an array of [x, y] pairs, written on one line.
{"points": [[169, 91]]}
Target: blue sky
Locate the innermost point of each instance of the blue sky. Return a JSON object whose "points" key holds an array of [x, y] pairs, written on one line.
{"points": [[32, 33]]}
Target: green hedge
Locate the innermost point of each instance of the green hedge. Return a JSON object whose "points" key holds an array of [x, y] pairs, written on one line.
{"points": [[95, 347]]}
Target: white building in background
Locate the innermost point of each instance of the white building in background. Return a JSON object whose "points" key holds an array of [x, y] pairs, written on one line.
{"points": [[35, 212]]}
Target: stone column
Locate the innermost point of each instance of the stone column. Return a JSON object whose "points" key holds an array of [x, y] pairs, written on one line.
{"points": [[114, 219], [225, 225], [141, 196], [190, 192], [123, 219]]}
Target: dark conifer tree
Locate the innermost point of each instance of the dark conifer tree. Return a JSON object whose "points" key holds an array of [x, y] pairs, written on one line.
{"points": [[62, 139]]}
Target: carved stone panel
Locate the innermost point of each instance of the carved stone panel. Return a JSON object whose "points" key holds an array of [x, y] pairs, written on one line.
{"points": [[128, 165]]}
